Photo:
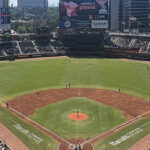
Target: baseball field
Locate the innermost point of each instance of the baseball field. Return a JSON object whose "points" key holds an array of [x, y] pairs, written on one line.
{"points": [[56, 93]]}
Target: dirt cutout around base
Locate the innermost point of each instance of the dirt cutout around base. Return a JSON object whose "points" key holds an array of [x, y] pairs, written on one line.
{"points": [[78, 116], [130, 105], [75, 141]]}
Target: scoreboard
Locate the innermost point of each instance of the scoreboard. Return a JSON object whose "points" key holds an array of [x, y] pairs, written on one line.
{"points": [[83, 14]]}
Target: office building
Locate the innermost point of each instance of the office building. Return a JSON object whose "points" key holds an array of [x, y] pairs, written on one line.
{"points": [[32, 4], [114, 15], [4, 3], [135, 15], [4, 15]]}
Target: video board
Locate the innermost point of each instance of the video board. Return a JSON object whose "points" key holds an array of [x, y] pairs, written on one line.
{"points": [[83, 14]]}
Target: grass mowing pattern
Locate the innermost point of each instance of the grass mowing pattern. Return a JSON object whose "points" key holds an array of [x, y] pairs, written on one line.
{"points": [[100, 118], [104, 144], [6, 118], [18, 78]]}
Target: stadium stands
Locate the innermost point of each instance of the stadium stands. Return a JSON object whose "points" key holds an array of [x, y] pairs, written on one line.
{"points": [[43, 46], [128, 43], [27, 47], [8, 48]]}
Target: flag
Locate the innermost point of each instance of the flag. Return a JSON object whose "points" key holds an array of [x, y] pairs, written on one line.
{"points": [[133, 18], [123, 22]]}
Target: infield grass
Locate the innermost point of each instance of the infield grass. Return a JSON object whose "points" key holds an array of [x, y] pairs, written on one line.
{"points": [[101, 118], [26, 131], [20, 77]]}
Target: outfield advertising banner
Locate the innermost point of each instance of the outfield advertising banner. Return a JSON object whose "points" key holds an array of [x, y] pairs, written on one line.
{"points": [[83, 14]]}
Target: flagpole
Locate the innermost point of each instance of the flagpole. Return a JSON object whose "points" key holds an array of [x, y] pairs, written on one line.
{"points": [[129, 15], [121, 26], [138, 28]]}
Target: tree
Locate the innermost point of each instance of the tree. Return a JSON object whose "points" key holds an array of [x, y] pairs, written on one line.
{"points": [[21, 29]]}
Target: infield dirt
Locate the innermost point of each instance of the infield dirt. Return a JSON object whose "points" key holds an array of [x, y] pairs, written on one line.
{"points": [[130, 105]]}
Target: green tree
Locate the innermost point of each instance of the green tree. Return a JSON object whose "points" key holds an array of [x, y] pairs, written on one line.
{"points": [[21, 29]]}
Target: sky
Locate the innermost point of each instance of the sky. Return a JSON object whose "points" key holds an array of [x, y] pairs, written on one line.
{"points": [[50, 2]]}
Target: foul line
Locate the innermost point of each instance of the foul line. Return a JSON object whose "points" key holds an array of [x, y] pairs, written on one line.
{"points": [[117, 128], [44, 129], [89, 141]]}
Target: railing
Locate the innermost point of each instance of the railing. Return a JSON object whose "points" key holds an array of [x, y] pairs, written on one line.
{"points": [[130, 34]]}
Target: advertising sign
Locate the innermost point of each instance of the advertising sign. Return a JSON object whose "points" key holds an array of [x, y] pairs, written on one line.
{"points": [[99, 24], [83, 14]]}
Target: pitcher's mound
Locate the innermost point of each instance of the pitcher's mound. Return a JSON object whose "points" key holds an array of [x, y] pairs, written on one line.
{"points": [[78, 117]]}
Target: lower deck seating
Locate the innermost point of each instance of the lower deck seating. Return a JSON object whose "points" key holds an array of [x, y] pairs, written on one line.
{"points": [[9, 48], [27, 47]]}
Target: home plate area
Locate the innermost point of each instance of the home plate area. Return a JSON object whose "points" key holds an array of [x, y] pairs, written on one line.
{"points": [[3, 145], [77, 144], [80, 112]]}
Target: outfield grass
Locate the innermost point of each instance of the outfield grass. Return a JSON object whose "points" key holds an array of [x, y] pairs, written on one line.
{"points": [[100, 118], [10, 121], [18, 78], [21, 77], [138, 131]]}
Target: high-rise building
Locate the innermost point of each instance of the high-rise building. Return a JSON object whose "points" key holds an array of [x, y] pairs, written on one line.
{"points": [[114, 10], [4, 15], [135, 15], [4, 3], [32, 3]]}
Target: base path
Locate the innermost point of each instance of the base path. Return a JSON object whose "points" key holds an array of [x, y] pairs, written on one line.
{"points": [[143, 144], [130, 105], [12, 141]]}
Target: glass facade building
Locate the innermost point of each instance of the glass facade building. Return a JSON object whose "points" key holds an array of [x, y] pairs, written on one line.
{"points": [[4, 3], [135, 15], [32, 3], [4, 15]]}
